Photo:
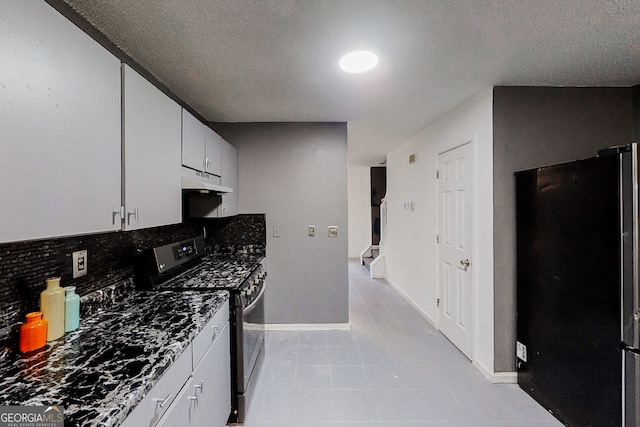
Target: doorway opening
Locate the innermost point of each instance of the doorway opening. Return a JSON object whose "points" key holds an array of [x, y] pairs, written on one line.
{"points": [[378, 190], [378, 179]]}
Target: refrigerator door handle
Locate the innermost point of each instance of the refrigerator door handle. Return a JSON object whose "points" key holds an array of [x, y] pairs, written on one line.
{"points": [[626, 347]]}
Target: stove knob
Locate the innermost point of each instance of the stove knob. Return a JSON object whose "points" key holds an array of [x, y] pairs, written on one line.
{"points": [[161, 266]]}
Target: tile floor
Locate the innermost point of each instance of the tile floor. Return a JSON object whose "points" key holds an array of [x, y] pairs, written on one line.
{"points": [[391, 369]]}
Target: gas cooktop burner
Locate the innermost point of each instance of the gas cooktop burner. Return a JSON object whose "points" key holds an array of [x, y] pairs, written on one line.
{"points": [[215, 272], [184, 265]]}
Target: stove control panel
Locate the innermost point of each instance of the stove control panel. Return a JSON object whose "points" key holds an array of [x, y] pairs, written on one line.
{"points": [[184, 250], [175, 254]]}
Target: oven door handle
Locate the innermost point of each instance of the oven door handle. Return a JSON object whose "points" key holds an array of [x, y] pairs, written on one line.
{"points": [[255, 301]]}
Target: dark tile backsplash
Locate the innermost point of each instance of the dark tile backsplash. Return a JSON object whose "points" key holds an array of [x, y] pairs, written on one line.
{"points": [[24, 266], [246, 233]]}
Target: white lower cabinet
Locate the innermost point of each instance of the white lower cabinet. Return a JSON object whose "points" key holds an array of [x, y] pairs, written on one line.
{"points": [[195, 397], [213, 375], [209, 334], [206, 398], [158, 401]]}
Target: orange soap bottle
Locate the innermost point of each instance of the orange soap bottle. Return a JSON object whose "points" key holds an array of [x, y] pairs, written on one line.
{"points": [[33, 333]]}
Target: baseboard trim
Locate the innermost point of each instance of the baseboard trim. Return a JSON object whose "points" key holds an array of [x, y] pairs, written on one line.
{"points": [[413, 304], [498, 377], [307, 327], [493, 377]]}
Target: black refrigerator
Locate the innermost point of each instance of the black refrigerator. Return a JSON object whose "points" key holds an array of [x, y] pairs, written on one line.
{"points": [[578, 268]]}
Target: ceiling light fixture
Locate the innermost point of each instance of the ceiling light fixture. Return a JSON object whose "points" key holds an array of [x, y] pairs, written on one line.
{"points": [[359, 61]]}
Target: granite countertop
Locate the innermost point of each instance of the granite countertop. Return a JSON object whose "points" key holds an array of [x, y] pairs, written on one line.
{"points": [[101, 371], [215, 271]]}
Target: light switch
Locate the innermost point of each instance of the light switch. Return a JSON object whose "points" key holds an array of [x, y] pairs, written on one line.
{"points": [[521, 351], [312, 230], [79, 263], [276, 231], [333, 231]]}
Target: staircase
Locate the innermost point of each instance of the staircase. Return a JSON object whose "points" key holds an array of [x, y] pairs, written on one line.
{"points": [[373, 256], [367, 260], [373, 261]]}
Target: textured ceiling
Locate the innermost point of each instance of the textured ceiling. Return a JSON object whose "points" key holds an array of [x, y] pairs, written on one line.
{"points": [[276, 60]]}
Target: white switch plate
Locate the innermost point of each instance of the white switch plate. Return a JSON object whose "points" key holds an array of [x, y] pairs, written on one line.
{"points": [[521, 351], [79, 263], [312, 230], [333, 231], [276, 231]]}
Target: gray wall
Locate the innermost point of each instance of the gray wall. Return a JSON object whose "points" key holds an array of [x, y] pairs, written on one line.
{"points": [[536, 126], [296, 173]]}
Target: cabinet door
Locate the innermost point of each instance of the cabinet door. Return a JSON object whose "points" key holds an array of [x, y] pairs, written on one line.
{"points": [[205, 400], [59, 127], [193, 138], [229, 178], [213, 152], [183, 410], [152, 132], [212, 383], [164, 395]]}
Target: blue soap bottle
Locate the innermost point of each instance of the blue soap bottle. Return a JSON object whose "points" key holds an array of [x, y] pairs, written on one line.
{"points": [[71, 309]]}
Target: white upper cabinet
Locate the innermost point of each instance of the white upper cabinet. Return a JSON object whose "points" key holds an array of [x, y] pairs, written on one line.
{"points": [[193, 142], [229, 178], [201, 146], [152, 133], [59, 127], [213, 152], [224, 205]]}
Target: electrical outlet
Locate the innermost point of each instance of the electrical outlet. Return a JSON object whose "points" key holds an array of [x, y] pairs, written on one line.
{"points": [[333, 231], [521, 351], [79, 263], [312, 230]]}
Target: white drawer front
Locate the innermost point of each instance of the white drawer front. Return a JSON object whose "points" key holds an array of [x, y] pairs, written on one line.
{"points": [[183, 409], [159, 398], [207, 336]]}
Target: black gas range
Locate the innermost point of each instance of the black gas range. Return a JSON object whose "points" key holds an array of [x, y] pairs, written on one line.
{"points": [[185, 265]]}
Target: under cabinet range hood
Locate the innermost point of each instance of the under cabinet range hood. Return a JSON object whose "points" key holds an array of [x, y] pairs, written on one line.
{"points": [[189, 183]]}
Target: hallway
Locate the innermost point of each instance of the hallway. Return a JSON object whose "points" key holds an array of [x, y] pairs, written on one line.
{"points": [[392, 369]]}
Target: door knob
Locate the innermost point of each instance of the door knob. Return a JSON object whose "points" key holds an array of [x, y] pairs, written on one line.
{"points": [[465, 263]]}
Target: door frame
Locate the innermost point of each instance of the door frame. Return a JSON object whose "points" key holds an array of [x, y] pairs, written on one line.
{"points": [[474, 294]]}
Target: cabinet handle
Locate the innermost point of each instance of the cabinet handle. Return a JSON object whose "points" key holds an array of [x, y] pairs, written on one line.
{"points": [[162, 402], [194, 398], [133, 214], [199, 386], [216, 330], [114, 214]]}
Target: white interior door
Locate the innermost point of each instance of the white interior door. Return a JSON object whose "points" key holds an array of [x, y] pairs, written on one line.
{"points": [[455, 243]]}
